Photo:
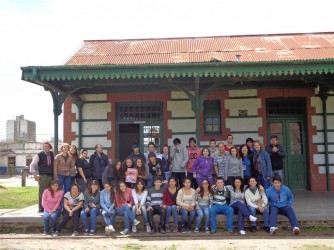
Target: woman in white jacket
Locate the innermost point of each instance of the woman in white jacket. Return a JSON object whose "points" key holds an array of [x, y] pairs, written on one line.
{"points": [[257, 202]]}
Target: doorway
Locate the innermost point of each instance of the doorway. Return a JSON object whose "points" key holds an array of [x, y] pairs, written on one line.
{"points": [[128, 135]]}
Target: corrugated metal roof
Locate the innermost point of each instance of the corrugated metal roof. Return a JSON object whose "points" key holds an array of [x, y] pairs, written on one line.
{"points": [[257, 48]]}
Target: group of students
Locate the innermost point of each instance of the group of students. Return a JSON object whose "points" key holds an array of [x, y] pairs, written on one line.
{"points": [[179, 180]]}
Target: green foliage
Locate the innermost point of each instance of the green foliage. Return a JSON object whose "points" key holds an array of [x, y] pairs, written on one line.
{"points": [[18, 197]]}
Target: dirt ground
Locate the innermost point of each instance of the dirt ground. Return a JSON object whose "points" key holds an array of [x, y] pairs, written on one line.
{"points": [[308, 241]]}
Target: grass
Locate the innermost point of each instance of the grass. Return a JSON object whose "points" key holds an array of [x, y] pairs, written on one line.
{"points": [[18, 197]]}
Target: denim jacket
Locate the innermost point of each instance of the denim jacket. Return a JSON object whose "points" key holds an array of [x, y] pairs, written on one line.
{"points": [[265, 163]]}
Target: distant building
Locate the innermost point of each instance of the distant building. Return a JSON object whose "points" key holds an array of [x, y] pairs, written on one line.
{"points": [[20, 130]]}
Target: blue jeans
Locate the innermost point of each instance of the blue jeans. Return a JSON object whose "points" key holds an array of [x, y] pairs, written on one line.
{"points": [[286, 211], [221, 209], [254, 211], [93, 213], [53, 217], [108, 218], [202, 211], [242, 211], [171, 210], [264, 183], [149, 182], [184, 214], [127, 213], [65, 182], [82, 184], [143, 212]]}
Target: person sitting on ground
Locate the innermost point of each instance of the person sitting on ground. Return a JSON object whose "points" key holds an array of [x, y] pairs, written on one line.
{"points": [[107, 202], [186, 201], [73, 201], [154, 205], [139, 194], [91, 208], [221, 206], [51, 203], [280, 201], [257, 202], [124, 203], [169, 203]]}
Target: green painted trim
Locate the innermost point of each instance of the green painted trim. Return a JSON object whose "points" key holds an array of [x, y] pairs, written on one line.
{"points": [[183, 118], [93, 120], [329, 152], [242, 117], [243, 97], [96, 135], [93, 148], [322, 130], [87, 102], [320, 114], [323, 143], [244, 132], [324, 165], [181, 100]]}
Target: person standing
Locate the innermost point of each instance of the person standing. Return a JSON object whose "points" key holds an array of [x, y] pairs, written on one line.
{"points": [[42, 169], [262, 165], [136, 154], [193, 153], [84, 175], [247, 162], [280, 201], [276, 153], [219, 163], [98, 162], [234, 166], [229, 143], [64, 168], [202, 167], [166, 161], [180, 158]]}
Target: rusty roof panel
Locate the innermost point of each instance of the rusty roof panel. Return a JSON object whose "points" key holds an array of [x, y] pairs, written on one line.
{"points": [[258, 48]]}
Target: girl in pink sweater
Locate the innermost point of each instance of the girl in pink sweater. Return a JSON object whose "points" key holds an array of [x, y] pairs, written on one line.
{"points": [[124, 203], [51, 203]]}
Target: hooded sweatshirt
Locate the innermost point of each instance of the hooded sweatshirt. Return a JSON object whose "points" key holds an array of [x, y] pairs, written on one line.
{"points": [[179, 159], [203, 167], [279, 198]]}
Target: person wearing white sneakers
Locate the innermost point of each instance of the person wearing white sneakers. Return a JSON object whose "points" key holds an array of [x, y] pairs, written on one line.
{"points": [[237, 194], [107, 202], [280, 201]]}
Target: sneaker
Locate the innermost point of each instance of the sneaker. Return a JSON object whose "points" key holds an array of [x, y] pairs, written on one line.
{"points": [[162, 230], [213, 231], [183, 229], [136, 222], [296, 231], [207, 230], [111, 227], [107, 230], [252, 218], [148, 228], [167, 229], [91, 233], [86, 232], [188, 228], [56, 234], [196, 230], [230, 231], [267, 229], [134, 228], [242, 232], [253, 229], [75, 234], [45, 233], [125, 231], [273, 230], [175, 228], [153, 230]]}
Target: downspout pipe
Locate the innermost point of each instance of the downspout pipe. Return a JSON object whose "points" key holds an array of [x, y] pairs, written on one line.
{"points": [[79, 104], [324, 97]]}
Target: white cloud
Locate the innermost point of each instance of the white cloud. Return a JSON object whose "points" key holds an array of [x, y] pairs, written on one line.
{"points": [[47, 32]]}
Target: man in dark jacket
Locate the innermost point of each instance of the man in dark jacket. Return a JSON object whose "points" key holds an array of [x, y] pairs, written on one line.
{"points": [[276, 152], [42, 169], [98, 162]]}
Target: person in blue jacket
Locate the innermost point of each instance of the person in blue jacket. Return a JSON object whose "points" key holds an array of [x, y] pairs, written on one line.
{"points": [[262, 165], [98, 162], [280, 200]]}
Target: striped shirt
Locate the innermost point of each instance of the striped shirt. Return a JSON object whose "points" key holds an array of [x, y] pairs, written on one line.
{"points": [[221, 196], [154, 197]]}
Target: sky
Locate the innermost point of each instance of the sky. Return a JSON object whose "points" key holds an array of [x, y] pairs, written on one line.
{"points": [[48, 32]]}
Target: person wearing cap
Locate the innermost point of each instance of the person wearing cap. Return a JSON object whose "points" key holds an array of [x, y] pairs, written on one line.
{"points": [[154, 205], [91, 208], [180, 158], [136, 154], [42, 169], [98, 162]]}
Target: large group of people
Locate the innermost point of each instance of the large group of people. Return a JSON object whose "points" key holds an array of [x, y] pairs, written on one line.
{"points": [[243, 180]]}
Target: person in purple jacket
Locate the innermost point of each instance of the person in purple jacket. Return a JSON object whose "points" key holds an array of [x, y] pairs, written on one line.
{"points": [[202, 167]]}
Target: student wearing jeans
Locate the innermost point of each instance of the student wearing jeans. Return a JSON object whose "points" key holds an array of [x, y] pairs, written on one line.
{"points": [[139, 194], [107, 202], [169, 203]]}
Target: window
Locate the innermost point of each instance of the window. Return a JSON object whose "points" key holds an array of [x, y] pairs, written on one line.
{"points": [[212, 118], [138, 111], [285, 107]]}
